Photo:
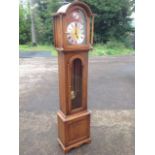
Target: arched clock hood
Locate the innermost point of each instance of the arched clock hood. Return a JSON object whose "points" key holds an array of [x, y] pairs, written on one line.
{"points": [[65, 8]]}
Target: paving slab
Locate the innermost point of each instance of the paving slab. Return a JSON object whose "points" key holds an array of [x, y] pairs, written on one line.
{"points": [[111, 99]]}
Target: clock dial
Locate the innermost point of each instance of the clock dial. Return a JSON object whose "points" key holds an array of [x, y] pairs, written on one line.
{"points": [[76, 28], [75, 33]]}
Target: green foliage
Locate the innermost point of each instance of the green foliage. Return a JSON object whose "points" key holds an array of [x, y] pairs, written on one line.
{"points": [[43, 20], [112, 47], [29, 47], [24, 25], [112, 20]]}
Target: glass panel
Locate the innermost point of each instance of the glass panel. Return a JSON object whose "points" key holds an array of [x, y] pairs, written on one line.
{"points": [[76, 92]]}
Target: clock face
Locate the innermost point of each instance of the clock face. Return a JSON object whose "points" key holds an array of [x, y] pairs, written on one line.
{"points": [[76, 28]]}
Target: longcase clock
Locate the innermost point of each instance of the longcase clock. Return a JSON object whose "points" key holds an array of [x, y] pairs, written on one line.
{"points": [[73, 38]]}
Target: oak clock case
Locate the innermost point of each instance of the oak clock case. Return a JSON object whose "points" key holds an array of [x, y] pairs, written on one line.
{"points": [[73, 40]]}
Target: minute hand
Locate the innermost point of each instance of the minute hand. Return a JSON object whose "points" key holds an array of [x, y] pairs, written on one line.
{"points": [[76, 31]]}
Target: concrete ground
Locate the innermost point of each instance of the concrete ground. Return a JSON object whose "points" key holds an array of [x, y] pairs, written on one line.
{"points": [[110, 98]]}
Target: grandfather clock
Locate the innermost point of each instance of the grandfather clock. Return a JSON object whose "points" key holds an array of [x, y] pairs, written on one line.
{"points": [[73, 38]]}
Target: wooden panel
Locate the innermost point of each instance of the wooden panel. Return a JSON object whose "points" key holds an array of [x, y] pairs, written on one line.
{"points": [[56, 31], [78, 130], [61, 130], [62, 82], [73, 128]]}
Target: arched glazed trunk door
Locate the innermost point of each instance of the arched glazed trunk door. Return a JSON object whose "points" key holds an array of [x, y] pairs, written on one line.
{"points": [[76, 84]]}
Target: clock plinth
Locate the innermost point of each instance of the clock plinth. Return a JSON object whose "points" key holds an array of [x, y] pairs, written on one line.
{"points": [[73, 35], [73, 130]]}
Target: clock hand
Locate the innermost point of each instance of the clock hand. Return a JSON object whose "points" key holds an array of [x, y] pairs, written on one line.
{"points": [[76, 28], [76, 31]]}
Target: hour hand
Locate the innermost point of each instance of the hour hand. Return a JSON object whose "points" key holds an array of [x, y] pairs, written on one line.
{"points": [[76, 35]]}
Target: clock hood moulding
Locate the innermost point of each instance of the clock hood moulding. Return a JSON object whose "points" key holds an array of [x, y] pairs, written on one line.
{"points": [[65, 8]]}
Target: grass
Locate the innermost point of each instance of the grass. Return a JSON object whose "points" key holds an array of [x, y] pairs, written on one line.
{"points": [[113, 48], [45, 48]]}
